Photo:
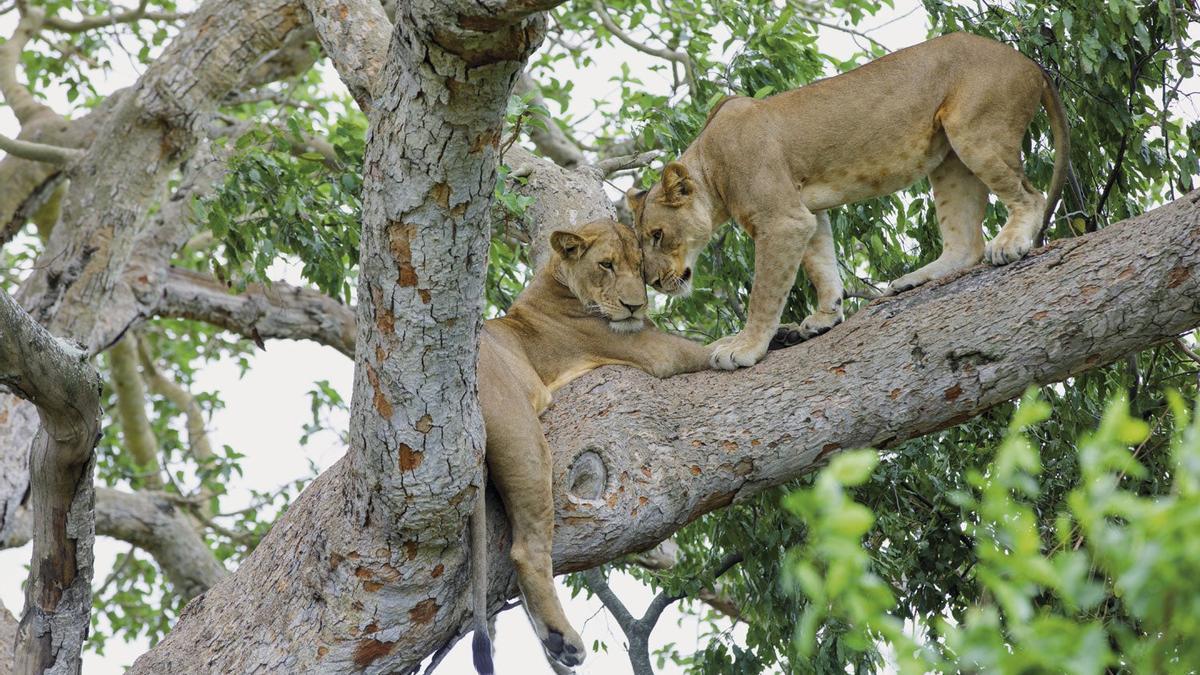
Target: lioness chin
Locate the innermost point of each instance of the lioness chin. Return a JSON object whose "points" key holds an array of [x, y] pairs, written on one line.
{"points": [[954, 109], [584, 308]]}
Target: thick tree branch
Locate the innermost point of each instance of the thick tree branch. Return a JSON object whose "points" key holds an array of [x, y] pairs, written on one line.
{"points": [[56, 377], [279, 311], [153, 522], [354, 33]]}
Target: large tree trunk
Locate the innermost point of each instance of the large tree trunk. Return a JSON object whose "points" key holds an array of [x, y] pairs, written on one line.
{"points": [[637, 458]]}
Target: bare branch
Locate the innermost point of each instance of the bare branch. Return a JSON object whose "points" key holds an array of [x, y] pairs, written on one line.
{"points": [[130, 391], [669, 54], [279, 311], [17, 95], [128, 16], [610, 165], [39, 152], [153, 522], [550, 140], [198, 443]]}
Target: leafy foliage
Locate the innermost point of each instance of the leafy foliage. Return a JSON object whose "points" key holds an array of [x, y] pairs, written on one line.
{"points": [[1110, 584]]}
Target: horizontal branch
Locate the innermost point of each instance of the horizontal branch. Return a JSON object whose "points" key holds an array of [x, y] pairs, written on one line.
{"points": [[154, 523], [669, 54], [39, 152], [279, 311]]}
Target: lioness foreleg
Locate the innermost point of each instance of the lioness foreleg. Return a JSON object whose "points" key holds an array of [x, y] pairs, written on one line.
{"points": [[519, 465], [780, 239], [961, 200], [821, 268]]}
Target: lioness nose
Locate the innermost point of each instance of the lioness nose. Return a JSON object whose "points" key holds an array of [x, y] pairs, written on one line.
{"points": [[687, 274], [632, 308]]}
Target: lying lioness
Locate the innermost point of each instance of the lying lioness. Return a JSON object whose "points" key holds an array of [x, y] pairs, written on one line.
{"points": [[585, 308], [954, 108]]}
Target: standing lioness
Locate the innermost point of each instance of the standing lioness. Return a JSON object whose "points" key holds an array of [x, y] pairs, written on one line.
{"points": [[585, 308], [954, 108]]}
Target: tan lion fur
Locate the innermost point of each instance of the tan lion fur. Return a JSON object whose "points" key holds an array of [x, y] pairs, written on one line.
{"points": [[585, 308], [954, 109]]}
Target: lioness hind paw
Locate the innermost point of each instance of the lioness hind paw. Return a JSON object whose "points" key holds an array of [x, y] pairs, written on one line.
{"points": [[1002, 251]]}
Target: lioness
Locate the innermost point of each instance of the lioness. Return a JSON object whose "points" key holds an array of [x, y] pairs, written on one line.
{"points": [[584, 308], [954, 108]]}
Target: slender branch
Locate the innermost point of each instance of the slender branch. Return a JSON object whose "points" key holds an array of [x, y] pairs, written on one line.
{"points": [[669, 54], [39, 152], [130, 391], [129, 16], [1187, 351], [550, 139], [610, 165], [198, 443], [17, 95], [598, 584]]}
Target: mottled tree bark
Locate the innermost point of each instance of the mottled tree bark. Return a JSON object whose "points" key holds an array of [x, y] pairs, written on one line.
{"points": [[56, 378]]}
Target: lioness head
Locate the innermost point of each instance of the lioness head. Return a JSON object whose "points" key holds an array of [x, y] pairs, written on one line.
{"points": [[674, 223], [602, 265]]}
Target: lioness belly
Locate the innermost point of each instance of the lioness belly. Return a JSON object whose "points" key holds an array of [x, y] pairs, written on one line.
{"points": [[875, 170]]}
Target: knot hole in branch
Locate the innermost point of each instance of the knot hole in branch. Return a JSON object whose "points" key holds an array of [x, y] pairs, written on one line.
{"points": [[588, 477]]}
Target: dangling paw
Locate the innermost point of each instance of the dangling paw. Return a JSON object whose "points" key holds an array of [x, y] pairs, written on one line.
{"points": [[567, 651]]}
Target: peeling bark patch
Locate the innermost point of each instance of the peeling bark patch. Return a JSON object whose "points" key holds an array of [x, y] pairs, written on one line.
{"points": [[696, 470], [424, 612], [424, 293], [410, 459], [1089, 290], [437, 571], [894, 394], [744, 467], [386, 321], [826, 450], [372, 586], [369, 651], [424, 424], [381, 403], [1178, 275], [952, 393], [1038, 316], [400, 244], [441, 194], [410, 549], [711, 503]]}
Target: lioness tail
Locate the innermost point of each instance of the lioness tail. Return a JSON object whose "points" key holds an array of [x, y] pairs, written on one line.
{"points": [[1062, 146], [481, 643]]}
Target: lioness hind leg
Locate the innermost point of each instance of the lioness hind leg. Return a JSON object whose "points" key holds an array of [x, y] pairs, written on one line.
{"points": [[519, 465], [991, 149], [820, 266], [961, 200]]}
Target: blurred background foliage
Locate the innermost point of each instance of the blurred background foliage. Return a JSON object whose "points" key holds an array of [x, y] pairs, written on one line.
{"points": [[929, 553]]}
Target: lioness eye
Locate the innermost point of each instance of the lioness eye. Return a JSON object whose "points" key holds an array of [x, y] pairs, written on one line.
{"points": [[656, 236], [606, 265]]}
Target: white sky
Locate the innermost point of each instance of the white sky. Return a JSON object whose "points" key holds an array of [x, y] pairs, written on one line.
{"points": [[265, 409]]}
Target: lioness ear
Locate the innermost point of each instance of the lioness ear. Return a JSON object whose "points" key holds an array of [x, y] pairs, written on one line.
{"points": [[634, 197], [567, 244], [677, 182]]}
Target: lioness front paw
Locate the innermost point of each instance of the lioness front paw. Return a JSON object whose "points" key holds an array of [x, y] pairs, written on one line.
{"points": [[1006, 249], [737, 351], [566, 650]]}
